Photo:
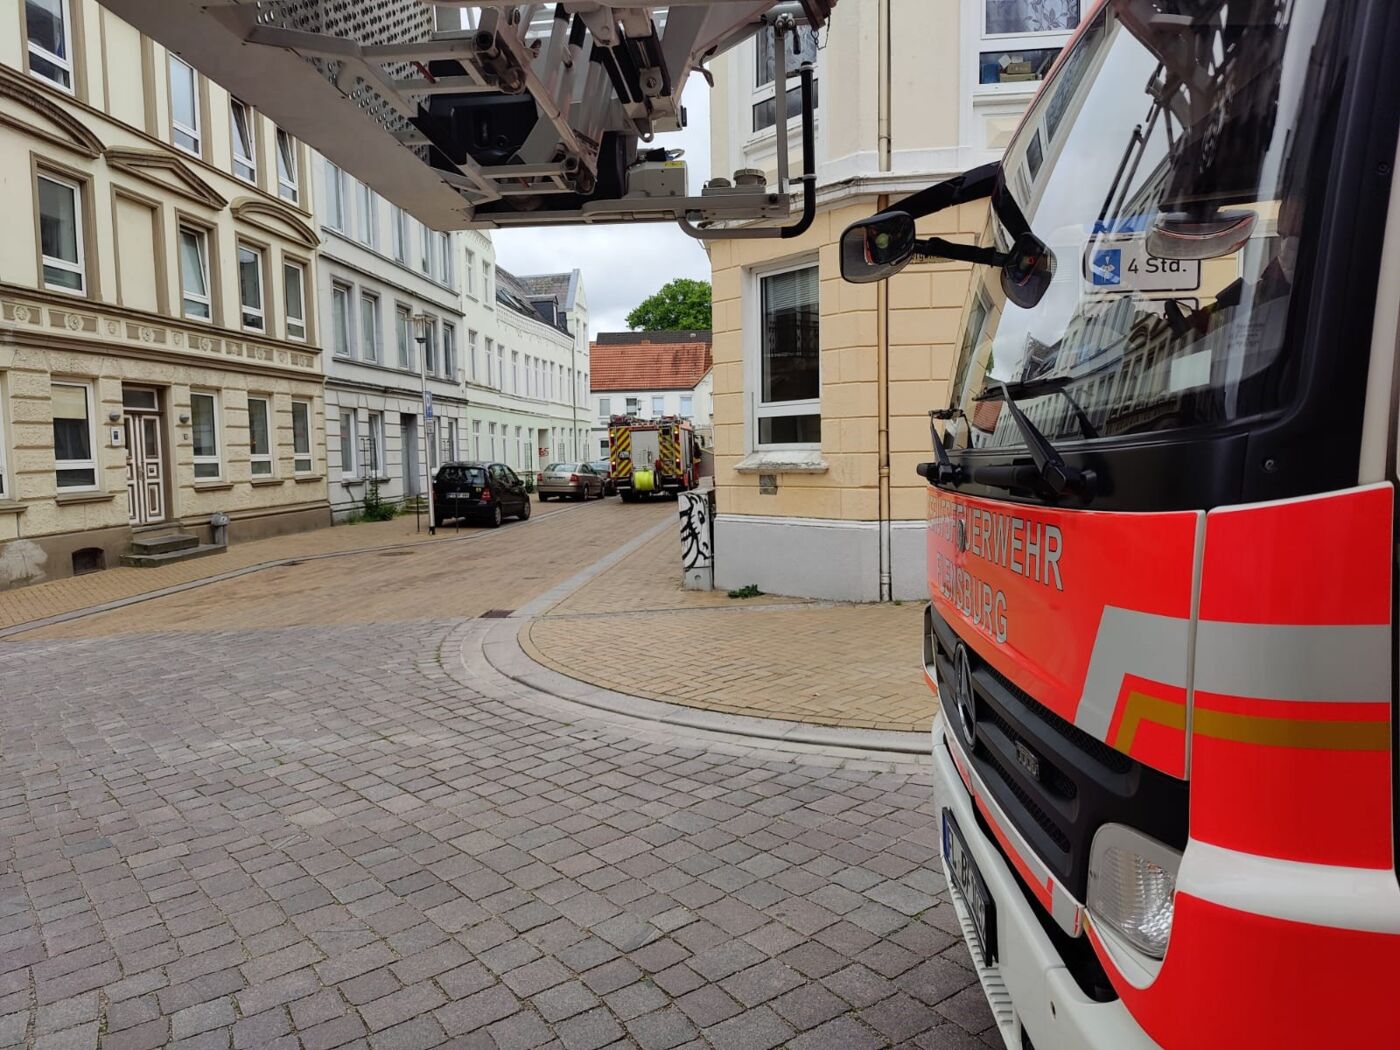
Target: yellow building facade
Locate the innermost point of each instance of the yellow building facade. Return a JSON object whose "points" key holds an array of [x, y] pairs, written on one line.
{"points": [[159, 361], [822, 389]]}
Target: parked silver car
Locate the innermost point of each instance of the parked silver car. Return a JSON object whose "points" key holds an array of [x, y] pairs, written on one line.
{"points": [[576, 480]]}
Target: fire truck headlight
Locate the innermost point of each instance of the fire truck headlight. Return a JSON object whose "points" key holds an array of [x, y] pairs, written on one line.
{"points": [[1132, 886]]}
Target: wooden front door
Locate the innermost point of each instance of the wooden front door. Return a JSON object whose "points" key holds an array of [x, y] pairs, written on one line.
{"points": [[145, 468]]}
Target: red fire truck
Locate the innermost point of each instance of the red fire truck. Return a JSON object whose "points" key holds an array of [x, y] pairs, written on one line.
{"points": [[1162, 542]]}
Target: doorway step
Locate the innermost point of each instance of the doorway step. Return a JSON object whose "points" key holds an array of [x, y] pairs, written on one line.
{"points": [[148, 552]]}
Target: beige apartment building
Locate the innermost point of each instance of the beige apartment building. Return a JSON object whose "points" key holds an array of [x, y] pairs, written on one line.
{"points": [[822, 389], [159, 359]]}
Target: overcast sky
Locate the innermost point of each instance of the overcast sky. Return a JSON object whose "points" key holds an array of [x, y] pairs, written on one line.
{"points": [[623, 264]]}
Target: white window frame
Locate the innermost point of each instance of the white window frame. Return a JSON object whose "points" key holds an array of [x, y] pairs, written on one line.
{"points": [[303, 460], [367, 215], [335, 198], [91, 463], [493, 442], [288, 167], [349, 438], [206, 459], [64, 63], [371, 340], [245, 311], [294, 321], [374, 428], [449, 352], [445, 251], [487, 295], [425, 250], [80, 267], [342, 293], [402, 238], [476, 439], [264, 460], [471, 354], [687, 406], [753, 365], [658, 406], [490, 362], [201, 242], [430, 347], [515, 371], [760, 93], [471, 273], [245, 167], [633, 405], [604, 409], [195, 133], [403, 335]]}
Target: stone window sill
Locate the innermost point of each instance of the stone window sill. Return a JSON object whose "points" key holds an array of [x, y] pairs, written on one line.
{"points": [[213, 486], [73, 499], [258, 483], [9, 506], [302, 479], [783, 461]]}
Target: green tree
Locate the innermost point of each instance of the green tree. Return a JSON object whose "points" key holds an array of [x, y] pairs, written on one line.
{"points": [[682, 305]]}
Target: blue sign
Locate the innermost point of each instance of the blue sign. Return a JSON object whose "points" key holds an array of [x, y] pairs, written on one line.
{"points": [[428, 405], [1107, 267]]}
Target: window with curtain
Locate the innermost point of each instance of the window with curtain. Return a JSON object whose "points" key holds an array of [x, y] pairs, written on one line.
{"points": [[765, 106], [73, 438], [788, 405]]}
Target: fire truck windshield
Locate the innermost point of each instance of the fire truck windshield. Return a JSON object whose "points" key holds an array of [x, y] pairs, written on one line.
{"points": [[1167, 165]]}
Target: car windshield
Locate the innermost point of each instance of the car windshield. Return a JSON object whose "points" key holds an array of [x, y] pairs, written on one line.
{"points": [[561, 468], [459, 475], [1165, 166]]}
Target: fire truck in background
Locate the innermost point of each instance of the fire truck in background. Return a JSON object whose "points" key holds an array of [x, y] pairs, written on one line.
{"points": [[1162, 542], [652, 456]]}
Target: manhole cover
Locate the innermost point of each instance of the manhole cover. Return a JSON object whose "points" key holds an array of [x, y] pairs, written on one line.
{"points": [[396, 554], [496, 614]]}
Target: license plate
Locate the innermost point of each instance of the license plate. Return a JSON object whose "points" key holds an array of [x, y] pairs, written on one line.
{"points": [[967, 880], [459, 495]]}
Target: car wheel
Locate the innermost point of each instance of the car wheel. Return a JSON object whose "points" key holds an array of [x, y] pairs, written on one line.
{"points": [[524, 514], [495, 518]]}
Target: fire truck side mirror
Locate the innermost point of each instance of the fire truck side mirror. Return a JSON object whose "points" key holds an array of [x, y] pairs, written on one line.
{"points": [[877, 248]]}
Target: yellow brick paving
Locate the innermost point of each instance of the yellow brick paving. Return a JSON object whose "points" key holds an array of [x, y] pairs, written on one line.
{"points": [[492, 569], [633, 629]]}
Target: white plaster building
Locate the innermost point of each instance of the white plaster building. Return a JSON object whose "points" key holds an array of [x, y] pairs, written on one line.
{"points": [[650, 374], [159, 358], [506, 358]]}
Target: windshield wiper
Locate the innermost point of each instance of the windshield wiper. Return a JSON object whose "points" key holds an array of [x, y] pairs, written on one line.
{"points": [[1056, 475], [1039, 387]]}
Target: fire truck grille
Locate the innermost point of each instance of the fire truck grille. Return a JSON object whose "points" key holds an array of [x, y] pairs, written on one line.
{"points": [[1057, 784]]}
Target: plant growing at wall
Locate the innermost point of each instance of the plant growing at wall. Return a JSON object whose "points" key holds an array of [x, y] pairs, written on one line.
{"points": [[376, 508], [680, 305]]}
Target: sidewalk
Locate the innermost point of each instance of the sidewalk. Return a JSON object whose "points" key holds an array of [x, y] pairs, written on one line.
{"points": [[634, 630], [57, 597]]}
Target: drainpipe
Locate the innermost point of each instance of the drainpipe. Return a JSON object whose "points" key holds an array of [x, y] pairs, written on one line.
{"points": [[882, 316]]}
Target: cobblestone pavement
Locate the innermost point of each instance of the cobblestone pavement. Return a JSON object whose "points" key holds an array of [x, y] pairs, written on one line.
{"points": [[854, 666], [352, 833]]}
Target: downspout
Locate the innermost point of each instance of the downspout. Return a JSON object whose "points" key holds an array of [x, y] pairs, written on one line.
{"points": [[882, 315]]}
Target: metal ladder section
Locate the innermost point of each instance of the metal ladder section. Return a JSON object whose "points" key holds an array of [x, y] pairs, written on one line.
{"points": [[494, 113]]}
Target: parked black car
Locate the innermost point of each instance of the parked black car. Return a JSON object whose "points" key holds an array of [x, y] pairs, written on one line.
{"points": [[603, 468], [483, 492]]}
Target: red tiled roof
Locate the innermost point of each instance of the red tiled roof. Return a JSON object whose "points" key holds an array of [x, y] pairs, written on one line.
{"points": [[648, 365]]}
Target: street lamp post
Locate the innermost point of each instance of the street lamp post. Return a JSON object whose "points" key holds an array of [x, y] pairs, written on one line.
{"points": [[421, 330]]}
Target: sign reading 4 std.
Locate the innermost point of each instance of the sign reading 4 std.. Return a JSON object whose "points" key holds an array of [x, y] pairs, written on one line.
{"points": [[1114, 265]]}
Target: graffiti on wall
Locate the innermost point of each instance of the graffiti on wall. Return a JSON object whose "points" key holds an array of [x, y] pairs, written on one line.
{"points": [[697, 531]]}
